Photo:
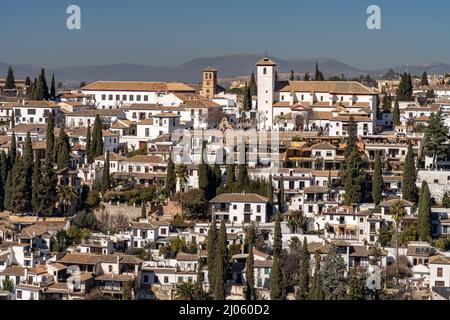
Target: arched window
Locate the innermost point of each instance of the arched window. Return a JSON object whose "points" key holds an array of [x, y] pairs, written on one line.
{"points": [[420, 261], [265, 71], [415, 261]]}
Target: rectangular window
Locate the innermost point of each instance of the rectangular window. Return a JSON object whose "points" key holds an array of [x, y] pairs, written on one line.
{"points": [[138, 98], [166, 279], [31, 111], [124, 97], [117, 97], [440, 272], [111, 97], [131, 98], [145, 98], [103, 96]]}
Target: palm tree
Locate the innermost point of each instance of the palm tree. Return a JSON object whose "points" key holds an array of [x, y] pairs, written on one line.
{"points": [[182, 175], [185, 291], [66, 196], [398, 213]]}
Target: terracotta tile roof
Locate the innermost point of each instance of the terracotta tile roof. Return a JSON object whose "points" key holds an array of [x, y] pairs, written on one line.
{"points": [[316, 189], [58, 287], [337, 87], [37, 104], [239, 197], [24, 128], [321, 115], [94, 112], [150, 107], [38, 270], [166, 115], [114, 277], [146, 159], [392, 202], [181, 256], [137, 86], [121, 124], [323, 146], [356, 118], [439, 260], [80, 258], [266, 62], [13, 271], [112, 157], [57, 266]]}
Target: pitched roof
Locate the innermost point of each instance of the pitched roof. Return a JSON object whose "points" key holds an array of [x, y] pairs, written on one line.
{"points": [[266, 62], [239, 197], [324, 146], [316, 189], [146, 159], [137, 86], [13, 271], [338, 87], [80, 258], [392, 202], [112, 157], [439, 260]]}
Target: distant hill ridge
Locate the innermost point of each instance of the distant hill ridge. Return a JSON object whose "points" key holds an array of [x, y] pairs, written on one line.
{"points": [[229, 66]]}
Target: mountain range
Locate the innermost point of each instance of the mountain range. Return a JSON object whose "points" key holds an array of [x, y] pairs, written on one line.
{"points": [[229, 66]]}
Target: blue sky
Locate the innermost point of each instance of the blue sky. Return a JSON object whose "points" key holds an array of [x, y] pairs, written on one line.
{"points": [[171, 32]]}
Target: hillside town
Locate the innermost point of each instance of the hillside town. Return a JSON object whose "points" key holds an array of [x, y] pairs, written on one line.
{"points": [[282, 187]]}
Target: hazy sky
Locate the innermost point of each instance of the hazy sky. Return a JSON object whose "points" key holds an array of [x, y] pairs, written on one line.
{"points": [[171, 32]]}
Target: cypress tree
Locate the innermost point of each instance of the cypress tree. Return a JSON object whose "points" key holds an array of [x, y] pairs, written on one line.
{"points": [[303, 291], [13, 153], [143, 212], [353, 173], [4, 167], [8, 191], [211, 253], [409, 188], [2, 195], [204, 175], [424, 81], [317, 73], [306, 78], [53, 88], [250, 276], [217, 173], [243, 179], [276, 280], [405, 88], [377, 185], [171, 180], [281, 201], [63, 150], [270, 190], [36, 187], [10, 82], [316, 292], [42, 87], [277, 241], [253, 86], [247, 102], [89, 157], [396, 114], [221, 264], [20, 189], [424, 214], [50, 139], [292, 77], [49, 182], [231, 176], [28, 167], [97, 138], [106, 179]]}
